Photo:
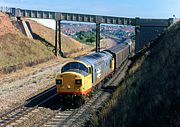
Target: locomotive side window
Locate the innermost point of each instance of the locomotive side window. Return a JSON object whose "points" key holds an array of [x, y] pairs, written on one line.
{"points": [[73, 66]]}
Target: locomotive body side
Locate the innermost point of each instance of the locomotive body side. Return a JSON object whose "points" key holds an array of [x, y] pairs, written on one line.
{"points": [[101, 64]]}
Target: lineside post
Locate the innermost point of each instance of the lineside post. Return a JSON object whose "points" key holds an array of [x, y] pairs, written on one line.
{"points": [[60, 44], [56, 32], [97, 37]]}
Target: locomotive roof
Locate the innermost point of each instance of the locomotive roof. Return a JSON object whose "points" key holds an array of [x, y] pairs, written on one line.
{"points": [[94, 57]]}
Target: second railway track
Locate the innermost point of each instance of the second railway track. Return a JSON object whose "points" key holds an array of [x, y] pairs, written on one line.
{"points": [[16, 113]]}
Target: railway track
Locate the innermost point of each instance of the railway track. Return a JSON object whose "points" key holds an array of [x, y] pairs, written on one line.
{"points": [[14, 114], [67, 117]]}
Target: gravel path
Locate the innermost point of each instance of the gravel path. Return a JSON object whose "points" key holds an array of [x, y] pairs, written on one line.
{"points": [[19, 86]]}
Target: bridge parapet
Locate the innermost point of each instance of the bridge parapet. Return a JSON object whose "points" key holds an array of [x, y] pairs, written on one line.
{"points": [[17, 12]]}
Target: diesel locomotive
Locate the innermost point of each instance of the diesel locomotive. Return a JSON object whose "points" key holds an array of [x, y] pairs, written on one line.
{"points": [[80, 76]]}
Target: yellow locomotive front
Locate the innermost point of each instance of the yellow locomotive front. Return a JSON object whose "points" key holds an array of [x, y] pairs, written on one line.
{"points": [[75, 79]]}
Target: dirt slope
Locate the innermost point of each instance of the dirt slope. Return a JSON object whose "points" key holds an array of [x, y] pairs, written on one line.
{"points": [[6, 26], [15, 48], [150, 96], [47, 35]]}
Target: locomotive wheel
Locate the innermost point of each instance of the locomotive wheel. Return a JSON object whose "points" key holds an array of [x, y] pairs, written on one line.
{"points": [[79, 101]]}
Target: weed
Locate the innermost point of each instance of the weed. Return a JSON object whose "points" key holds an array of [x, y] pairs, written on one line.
{"points": [[34, 81]]}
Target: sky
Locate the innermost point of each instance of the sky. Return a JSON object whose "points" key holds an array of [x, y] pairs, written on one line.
{"points": [[120, 8]]}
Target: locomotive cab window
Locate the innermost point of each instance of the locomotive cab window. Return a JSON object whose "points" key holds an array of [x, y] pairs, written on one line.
{"points": [[74, 66], [110, 63], [90, 70]]}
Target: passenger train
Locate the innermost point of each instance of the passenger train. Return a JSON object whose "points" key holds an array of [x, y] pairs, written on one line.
{"points": [[79, 77]]}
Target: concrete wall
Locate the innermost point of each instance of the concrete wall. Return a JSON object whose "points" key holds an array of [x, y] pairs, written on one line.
{"points": [[145, 34]]}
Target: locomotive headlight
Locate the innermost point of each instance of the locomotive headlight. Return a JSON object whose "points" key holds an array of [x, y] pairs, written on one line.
{"points": [[78, 81], [59, 81]]}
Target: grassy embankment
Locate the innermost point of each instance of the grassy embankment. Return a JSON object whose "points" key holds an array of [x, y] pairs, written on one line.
{"points": [[150, 94], [16, 50]]}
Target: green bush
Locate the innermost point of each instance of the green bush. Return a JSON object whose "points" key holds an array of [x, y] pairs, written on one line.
{"points": [[86, 37]]}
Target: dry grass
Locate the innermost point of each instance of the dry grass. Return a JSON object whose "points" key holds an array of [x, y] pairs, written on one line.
{"points": [[16, 50], [150, 95]]}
